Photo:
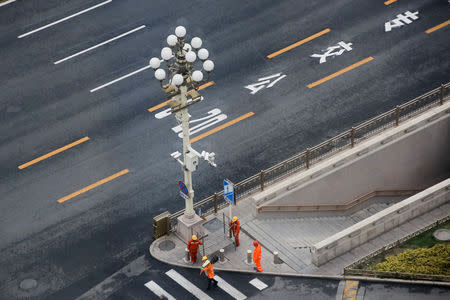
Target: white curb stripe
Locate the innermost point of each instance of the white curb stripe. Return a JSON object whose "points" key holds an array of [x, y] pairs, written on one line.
{"points": [[101, 44], [258, 284], [229, 289], [157, 290], [187, 285], [7, 2], [64, 19], [119, 79]]}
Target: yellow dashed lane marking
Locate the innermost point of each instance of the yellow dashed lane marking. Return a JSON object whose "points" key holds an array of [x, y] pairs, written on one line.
{"points": [[437, 27], [36, 160], [94, 185], [355, 65], [389, 2], [218, 128], [203, 86], [298, 43]]}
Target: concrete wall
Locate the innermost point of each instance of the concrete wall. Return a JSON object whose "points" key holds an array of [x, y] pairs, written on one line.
{"points": [[413, 155], [381, 222]]}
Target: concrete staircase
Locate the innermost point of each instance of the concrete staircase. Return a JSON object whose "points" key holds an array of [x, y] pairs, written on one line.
{"points": [[292, 236]]}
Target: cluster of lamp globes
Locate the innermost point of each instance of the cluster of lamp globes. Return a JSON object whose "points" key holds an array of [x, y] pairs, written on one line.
{"points": [[191, 52]]}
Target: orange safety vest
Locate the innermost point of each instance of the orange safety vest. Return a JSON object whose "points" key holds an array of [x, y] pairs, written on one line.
{"points": [[193, 245], [257, 253], [209, 270]]}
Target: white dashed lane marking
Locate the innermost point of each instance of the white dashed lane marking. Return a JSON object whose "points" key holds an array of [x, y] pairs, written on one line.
{"points": [[64, 19], [120, 78], [101, 44]]}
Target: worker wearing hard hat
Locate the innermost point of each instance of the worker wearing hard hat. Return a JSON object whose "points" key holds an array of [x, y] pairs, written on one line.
{"points": [[193, 247], [235, 227], [257, 256], [207, 267]]}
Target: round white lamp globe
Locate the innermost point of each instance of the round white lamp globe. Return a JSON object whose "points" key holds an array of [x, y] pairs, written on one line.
{"points": [[172, 40], [180, 31], [166, 53], [160, 74], [197, 76], [187, 47], [208, 65], [203, 54], [154, 62], [196, 42], [191, 56], [177, 79]]}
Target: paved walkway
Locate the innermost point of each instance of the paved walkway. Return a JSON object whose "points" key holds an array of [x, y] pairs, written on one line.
{"points": [[274, 234]]}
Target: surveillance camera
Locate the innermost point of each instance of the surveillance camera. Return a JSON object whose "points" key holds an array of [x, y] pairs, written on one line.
{"points": [[175, 154]]}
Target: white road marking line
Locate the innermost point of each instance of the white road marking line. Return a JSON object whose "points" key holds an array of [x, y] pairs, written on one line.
{"points": [[258, 284], [7, 2], [186, 284], [157, 290], [64, 19], [120, 78], [229, 289], [101, 44]]}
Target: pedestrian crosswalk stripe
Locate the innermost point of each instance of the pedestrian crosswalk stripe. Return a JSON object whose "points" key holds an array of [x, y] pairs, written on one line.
{"points": [[258, 284], [229, 289], [157, 290], [186, 284]]}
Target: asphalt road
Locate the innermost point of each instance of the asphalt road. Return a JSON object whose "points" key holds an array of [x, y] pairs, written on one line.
{"points": [[70, 246]]}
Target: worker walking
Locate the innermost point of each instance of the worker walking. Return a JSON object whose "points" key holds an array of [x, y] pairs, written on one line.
{"points": [[257, 256], [209, 270], [193, 247], [235, 227]]}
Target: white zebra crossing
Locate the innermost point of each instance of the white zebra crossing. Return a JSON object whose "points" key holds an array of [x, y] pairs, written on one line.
{"points": [[197, 292], [158, 291], [229, 289], [186, 284], [258, 284]]}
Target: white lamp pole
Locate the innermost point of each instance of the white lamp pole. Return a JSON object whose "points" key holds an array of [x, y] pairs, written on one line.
{"points": [[180, 58]]}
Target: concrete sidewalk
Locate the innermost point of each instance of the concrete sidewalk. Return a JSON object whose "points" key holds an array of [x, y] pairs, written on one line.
{"points": [[170, 249]]}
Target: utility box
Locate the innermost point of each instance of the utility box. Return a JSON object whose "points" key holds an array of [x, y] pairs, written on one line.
{"points": [[191, 161], [161, 224]]}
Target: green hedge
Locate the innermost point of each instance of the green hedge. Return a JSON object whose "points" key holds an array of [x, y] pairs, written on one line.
{"points": [[434, 260]]}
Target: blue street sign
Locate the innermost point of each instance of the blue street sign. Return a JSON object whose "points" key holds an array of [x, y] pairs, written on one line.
{"points": [[228, 190]]}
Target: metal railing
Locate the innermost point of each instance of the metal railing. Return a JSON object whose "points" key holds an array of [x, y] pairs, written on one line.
{"points": [[317, 153], [336, 207]]}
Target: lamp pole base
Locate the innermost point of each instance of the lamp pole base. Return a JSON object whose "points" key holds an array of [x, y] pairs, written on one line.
{"points": [[189, 225]]}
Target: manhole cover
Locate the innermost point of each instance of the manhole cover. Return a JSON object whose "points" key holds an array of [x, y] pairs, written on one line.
{"points": [[442, 234], [28, 284], [166, 245], [213, 225]]}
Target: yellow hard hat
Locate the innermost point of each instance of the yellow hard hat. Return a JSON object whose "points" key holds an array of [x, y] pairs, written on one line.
{"points": [[234, 219], [204, 258], [194, 237]]}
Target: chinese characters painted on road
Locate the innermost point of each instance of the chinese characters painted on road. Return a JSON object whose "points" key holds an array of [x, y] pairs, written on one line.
{"points": [[333, 51], [407, 18]]}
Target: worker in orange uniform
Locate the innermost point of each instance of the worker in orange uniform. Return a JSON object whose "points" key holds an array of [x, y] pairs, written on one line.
{"points": [[193, 247], [235, 227], [257, 256], [209, 270]]}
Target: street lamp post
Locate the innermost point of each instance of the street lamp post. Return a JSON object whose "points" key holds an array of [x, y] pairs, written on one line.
{"points": [[180, 58]]}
